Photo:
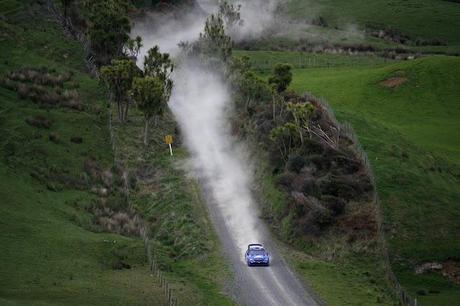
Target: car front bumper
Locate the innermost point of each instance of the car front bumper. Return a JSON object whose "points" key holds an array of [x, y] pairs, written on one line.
{"points": [[258, 262]]}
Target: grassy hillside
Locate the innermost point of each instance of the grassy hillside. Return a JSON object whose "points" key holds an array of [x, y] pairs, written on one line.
{"points": [[49, 256], [425, 109], [184, 242], [406, 115], [410, 133], [427, 19], [53, 250]]}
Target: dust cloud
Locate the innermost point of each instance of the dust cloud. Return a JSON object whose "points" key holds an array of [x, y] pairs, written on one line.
{"points": [[201, 103]]}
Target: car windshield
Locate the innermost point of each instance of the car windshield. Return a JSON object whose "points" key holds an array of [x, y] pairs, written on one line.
{"points": [[257, 252]]}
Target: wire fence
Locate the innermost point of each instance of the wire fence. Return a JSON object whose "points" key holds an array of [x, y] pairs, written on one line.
{"points": [[310, 60], [154, 266], [401, 294]]}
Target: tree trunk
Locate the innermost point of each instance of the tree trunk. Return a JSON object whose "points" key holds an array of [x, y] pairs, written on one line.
{"points": [[146, 130], [119, 111], [274, 107], [299, 128], [125, 116]]}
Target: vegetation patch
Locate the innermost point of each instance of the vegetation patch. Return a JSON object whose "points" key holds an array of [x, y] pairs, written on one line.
{"points": [[44, 87], [394, 82], [49, 255], [408, 134], [316, 184]]}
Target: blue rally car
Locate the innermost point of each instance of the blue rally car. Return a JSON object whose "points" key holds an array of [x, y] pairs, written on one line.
{"points": [[257, 255]]}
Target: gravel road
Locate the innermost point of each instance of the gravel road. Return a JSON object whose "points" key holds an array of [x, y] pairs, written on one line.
{"points": [[272, 285]]}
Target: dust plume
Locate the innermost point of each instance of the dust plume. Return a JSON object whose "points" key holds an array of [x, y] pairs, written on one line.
{"points": [[201, 102]]}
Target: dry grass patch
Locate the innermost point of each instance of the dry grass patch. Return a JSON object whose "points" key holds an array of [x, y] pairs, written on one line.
{"points": [[43, 86], [394, 82]]}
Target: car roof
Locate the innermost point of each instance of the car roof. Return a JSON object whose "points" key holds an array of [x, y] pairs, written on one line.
{"points": [[255, 246]]}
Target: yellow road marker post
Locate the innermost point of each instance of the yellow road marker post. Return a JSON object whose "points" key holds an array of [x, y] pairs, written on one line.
{"points": [[169, 140]]}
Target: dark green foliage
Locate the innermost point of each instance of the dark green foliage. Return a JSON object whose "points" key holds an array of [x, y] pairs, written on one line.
{"points": [[39, 122], [66, 4], [108, 29], [214, 41], [159, 65], [296, 163], [153, 91], [252, 90], [149, 93], [281, 78]]}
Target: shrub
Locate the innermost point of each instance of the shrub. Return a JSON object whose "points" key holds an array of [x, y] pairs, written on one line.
{"points": [[39, 122], [296, 163], [334, 204], [285, 179], [76, 139]]}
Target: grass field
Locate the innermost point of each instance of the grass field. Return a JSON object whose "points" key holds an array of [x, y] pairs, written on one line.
{"points": [[427, 19], [410, 133]]}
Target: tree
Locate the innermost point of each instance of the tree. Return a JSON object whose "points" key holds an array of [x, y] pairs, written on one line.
{"points": [[230, 14], [133, 47], [283, 136], [214, 46], [158, 64], [149, 94], [119, 78], [290, 133], [302, 113], [281, 78], [250, 89], [153, 91], [66, 4], [108, 29]]}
